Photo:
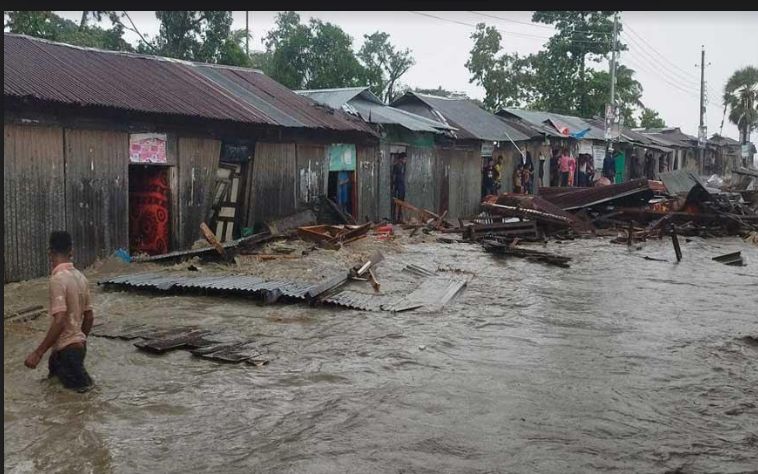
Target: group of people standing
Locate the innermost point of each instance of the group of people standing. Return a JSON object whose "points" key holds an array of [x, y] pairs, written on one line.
{"points": [[522, 178], [568, 171]]}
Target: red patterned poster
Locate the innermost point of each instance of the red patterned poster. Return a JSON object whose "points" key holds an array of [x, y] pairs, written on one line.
{"points": [[147, 148]]}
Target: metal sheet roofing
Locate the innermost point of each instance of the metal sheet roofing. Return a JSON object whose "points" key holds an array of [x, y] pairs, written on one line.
{"points": [[372, 109], [336, 98], [638, 190], [574, 124], [42, 71], [470, 119]]}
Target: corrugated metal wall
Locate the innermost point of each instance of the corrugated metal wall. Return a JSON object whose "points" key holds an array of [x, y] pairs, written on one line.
{"points": [[273, 184], [97, 208], [472, 183], [312, 172], [420, 186], [385, 186], [368, 182], [77, 180], [464, 181], [198, 161], [33, 197]]}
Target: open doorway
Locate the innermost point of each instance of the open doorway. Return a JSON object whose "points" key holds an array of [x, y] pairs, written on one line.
{"points": [[341, 186], [398, 158], [149, 208], [341, 180]]}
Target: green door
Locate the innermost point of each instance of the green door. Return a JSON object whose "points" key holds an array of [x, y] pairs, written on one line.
{"points": [[620, 162]]}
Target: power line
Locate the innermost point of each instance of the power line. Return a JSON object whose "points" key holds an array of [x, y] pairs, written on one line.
{"points": [[527, 35], [686, 73], [537, 25], [656, 74], [662, 64]]}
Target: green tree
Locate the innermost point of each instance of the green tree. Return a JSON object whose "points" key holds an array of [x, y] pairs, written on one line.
{"points": [[649, 118], [499, 73], [192, 35], [287, 47], [581, 36], [331, 60], [628, 94], [313, 56], [384, 64], [48, 25], [740, 97], [559, 77]]}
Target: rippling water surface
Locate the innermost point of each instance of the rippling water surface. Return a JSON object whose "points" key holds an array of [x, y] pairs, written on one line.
{"points": [[616, 364]]}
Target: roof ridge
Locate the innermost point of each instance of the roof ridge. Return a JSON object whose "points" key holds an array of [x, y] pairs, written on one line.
{"points": [[333, 89], [153, 57]]}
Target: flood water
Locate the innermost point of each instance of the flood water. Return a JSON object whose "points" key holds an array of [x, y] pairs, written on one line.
{"points": [[616, 364]]}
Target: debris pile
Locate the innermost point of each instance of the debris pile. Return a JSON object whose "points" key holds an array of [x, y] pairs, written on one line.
{"points": [[199, 342]]}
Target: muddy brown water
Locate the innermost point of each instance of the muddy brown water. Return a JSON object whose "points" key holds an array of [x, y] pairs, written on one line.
{"points": [[615, 364]]}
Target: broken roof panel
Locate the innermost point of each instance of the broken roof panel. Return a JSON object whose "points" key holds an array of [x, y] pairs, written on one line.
{"points": [[336, 98], [638, 191], [41, 71], [470, 120], [574, 124], [373, 110]]}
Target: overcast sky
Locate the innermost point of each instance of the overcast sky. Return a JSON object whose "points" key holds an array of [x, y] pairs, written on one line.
{"points": [[664, 49]]}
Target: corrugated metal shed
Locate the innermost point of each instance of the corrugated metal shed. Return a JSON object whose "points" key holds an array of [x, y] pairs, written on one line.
{"points": [[42, 71], [471, 121], [371, 109], [574, 124]]}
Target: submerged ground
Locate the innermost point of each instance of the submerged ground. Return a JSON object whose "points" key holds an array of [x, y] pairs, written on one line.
{"points": [[615, 364]]}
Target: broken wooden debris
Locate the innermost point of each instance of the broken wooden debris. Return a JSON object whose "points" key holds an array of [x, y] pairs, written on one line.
{"points": [[25, 314], [522, 229], [424, 217], [500, 248], [677, 249], [358, 271], [289, 224], [210, 237], [734, 258], [331, 236]]}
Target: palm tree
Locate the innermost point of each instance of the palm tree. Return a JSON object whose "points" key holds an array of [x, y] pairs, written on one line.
{"points": [[740, 95]]}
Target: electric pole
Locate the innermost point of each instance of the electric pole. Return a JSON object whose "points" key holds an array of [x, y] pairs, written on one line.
{"points": [[247, 33], [610, 111], [702, 133], [702, 90]]}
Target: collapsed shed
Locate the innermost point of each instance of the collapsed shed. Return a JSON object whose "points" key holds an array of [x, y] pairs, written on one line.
{"points": [[123, 150]]}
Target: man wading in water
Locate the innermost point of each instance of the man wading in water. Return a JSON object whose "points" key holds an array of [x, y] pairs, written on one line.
{"points": [[71, 310]]}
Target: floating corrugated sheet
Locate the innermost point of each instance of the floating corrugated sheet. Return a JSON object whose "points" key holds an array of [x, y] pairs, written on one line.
{"points": [[242, 285], [48, 72], [434, 291]]}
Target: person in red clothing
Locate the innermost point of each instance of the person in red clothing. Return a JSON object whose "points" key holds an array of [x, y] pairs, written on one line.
{"points": [[72, 319], [564, 165]]}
